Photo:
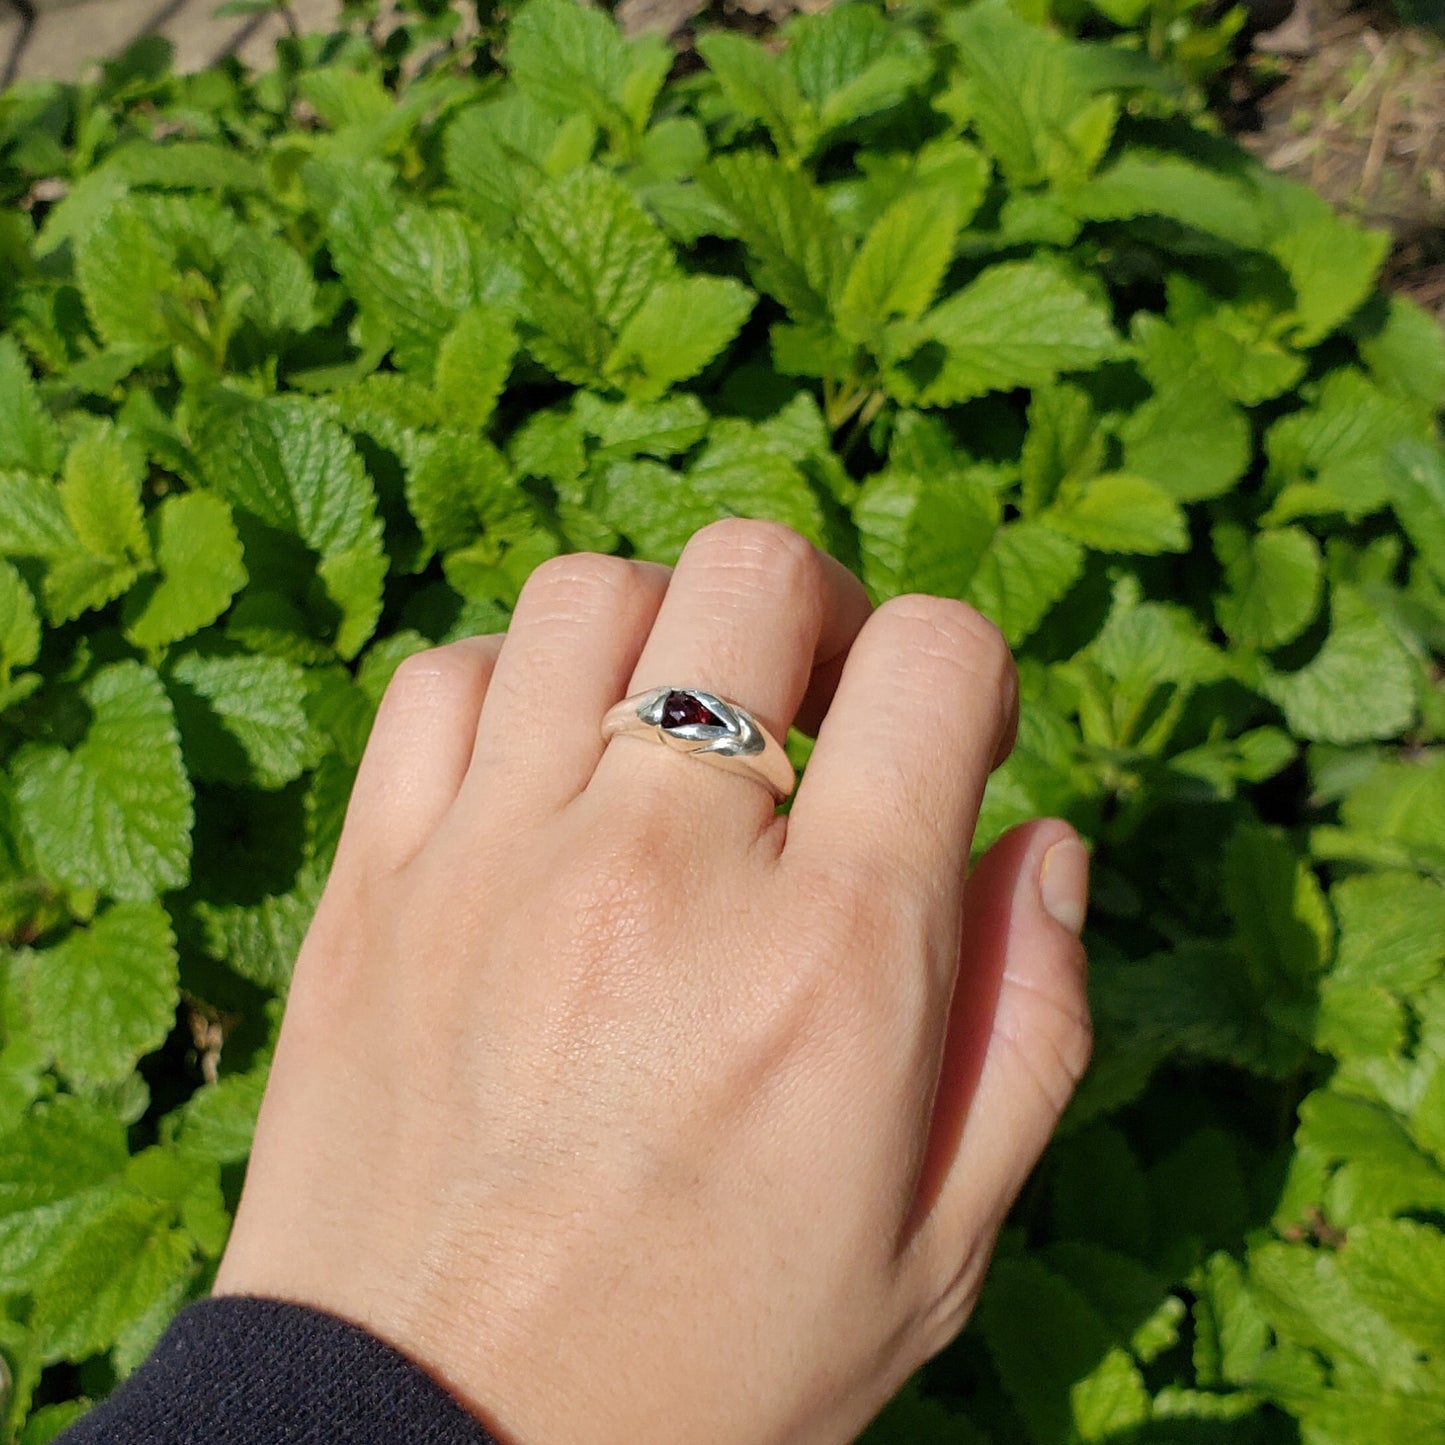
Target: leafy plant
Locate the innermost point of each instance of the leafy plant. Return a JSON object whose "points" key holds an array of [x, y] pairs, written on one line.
{"points": [[304, 372]]}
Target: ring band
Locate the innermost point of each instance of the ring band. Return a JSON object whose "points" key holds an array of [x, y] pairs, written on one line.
{"points": [[706, 727]]}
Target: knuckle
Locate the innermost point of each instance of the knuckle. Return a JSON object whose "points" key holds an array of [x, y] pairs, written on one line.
{"points": [[942, 635], [951, 630], [578, 584], [444, 669], [740, 543]]}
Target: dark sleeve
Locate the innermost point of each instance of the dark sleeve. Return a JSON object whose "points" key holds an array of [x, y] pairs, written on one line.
{"points": [[238, 1371]]}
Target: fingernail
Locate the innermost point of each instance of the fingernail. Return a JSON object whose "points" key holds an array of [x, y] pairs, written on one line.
{"points": [[1064, 883]]}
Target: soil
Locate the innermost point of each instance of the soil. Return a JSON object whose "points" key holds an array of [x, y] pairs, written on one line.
{"points": [[1356, 108]]}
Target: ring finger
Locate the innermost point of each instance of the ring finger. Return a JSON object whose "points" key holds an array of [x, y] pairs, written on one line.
{"points": [[757, 614]]}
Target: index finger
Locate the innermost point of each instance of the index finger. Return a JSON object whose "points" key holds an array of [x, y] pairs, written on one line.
{"points": [[925, 708]]}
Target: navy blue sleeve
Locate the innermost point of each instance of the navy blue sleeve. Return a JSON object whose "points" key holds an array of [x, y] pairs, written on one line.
{"points": [[240, 1371]]}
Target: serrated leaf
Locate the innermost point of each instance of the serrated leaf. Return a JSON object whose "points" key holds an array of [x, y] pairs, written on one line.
{"points": [[1275, 583], [458, 485], [1406, 353], [563, 56], [923, 533], [200, 569], [1027, 568], [100, 1279], [1121, 513], [1148, 183], [1057, 1358], [242, 719], [1360, 685], [590, 255], [1189, 438], [1280, 916], [1023, 93], [1331, 262], [1397, 1267], [900, 264], [1392, 929], [100, 494], [1064, 444], [218, 1121], [420, 272], [653, 353], [1339, 455], [19, 623], [796, 250], [473, 362], [1417, 493], [105, 995], [1019, 323], [260, 941], [760, 86], [628, 428], [288, 464], [32, 520], [848, 63], [659, 508], [29, 439], [114, 813]]}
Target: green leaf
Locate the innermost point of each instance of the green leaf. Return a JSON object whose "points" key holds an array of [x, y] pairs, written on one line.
{"points": [[563, 56], [1331, 262], [1064, 444], [458, 486], [1274, 580], [848, 63], [1057, 1358], [1023, 95], [1280, 916], [1120, 513], [795, 249], [29, 439], [1340, 454], [923, 533], [1019, 323], [653, 353], [1027, 568], [114, 813], [897, 270], [1397, 1267], [242, 719], [1189, 438], [218, 1121], [100, 492], [19, 623], [105, 995], [32, 520], [1149, 183], [288, 464], [1392, 929], [591, 255], [473, 362], [759, 86], [1406, 353], [260, 941], [200, 569], [418, 275], [1360, 685], [1417, 493], [739, 475]]}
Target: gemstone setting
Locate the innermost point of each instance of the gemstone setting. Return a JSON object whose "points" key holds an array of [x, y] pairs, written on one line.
{"points": [[684, 709]]}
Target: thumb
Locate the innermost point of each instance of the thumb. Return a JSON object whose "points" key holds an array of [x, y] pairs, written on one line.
{"points": [[1018, 1037]]}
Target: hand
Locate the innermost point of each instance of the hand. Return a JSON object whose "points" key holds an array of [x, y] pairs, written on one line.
{"points": [[634, 1111]]}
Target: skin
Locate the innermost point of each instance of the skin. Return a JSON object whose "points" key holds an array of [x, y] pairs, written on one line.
{"points": [[628, 1108]]}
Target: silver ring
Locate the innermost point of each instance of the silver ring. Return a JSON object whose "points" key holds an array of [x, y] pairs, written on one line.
{"points": [[706, 727]]}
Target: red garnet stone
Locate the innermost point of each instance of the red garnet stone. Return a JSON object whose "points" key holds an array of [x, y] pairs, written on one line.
{"points": [[681, 709]]}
